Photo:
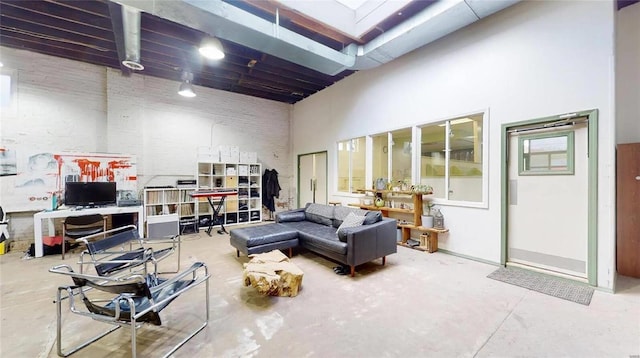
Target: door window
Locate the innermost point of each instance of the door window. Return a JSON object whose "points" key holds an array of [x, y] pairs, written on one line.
{"points": [[546, 154]]}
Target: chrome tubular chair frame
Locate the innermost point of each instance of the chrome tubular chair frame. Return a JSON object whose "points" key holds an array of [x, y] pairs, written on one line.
{"points": [[119, 249], [136, 301]]}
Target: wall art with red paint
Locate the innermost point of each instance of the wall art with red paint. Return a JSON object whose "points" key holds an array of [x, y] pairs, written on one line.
{"points": [[42, 174]]}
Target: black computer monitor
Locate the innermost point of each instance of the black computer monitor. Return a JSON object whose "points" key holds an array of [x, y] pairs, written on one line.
{"points": [[90, 194]]}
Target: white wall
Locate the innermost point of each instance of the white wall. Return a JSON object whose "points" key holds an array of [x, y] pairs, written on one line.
{"points": [[628, 74], [65, 105], [532, 60]]}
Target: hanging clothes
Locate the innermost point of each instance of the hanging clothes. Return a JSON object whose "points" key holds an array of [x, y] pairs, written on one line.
{"points": [[270, 189]]}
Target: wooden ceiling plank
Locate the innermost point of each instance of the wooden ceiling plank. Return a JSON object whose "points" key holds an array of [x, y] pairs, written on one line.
{"points": [[231, 62], [44, 32], [93, 7], [59, 51], [225, 68], [61, 13], [52, 27]]}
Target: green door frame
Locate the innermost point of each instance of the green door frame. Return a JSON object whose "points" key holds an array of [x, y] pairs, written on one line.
{"points": [[592, 244], [326, 165]]}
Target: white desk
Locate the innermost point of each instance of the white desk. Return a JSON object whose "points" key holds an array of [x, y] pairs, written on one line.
{"points": [[57, 214]]}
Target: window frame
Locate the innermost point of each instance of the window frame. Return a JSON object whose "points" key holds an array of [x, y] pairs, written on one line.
{"points": [[570, 153], [416, 158], [485, 159], [366, 149]]}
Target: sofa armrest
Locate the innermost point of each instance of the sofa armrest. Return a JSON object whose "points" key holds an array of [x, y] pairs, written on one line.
{"points": [[291, 216], [369, 242]]}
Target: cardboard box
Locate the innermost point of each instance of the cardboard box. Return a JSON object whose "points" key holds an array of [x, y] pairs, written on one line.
{"points": [[229, 153], [248, 157], [208, 155]]}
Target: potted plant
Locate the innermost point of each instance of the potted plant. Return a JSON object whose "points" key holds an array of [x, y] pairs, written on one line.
{"points": [[427, 220], [422, 189]]}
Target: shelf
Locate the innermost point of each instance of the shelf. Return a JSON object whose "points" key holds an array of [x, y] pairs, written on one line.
{"points": [[422, 228], [245, 178], [399, 192]]}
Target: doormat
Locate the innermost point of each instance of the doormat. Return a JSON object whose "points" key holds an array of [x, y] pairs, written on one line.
{"points": [[546, 284]]}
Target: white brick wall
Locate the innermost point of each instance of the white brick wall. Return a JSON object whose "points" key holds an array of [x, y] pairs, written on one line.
{"points": [[65, 105]]}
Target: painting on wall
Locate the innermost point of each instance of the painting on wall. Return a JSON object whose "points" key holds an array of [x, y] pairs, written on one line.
{"points": [[41, 174]]}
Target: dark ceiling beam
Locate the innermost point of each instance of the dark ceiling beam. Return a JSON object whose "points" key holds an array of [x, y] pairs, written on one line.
{"points": [[55, 29], [115, 10], [80, 50], [54, 12], [234, 72], [88, 31], [61, 12], [39, 46], [624, 3], [231, 62], [234, 55], [91, 7]]}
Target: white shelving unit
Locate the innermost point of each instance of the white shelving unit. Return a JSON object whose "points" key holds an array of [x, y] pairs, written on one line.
{"points": [[246, 178], [170, 201]]}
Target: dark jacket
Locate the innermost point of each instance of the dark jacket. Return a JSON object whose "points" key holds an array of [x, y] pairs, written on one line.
{"points": [[270, 189]]}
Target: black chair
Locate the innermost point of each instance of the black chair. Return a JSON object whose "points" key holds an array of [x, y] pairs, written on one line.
{"points": [[114, 251], [125, 301], [4, 226], [165, 230], [75, 227]]}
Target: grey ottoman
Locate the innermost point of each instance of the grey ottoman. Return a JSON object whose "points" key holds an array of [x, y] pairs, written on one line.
{"points": [[263, 238]]}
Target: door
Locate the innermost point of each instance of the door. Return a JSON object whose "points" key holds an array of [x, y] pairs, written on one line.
{"points": [[548, 197], [312, 178], [628, 209]]}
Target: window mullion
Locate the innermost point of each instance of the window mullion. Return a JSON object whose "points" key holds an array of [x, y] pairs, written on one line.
{"points": [[447, 151], [351, 145]]}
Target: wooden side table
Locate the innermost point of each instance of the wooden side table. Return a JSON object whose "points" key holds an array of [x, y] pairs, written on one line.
{"points": [[432, 244]]}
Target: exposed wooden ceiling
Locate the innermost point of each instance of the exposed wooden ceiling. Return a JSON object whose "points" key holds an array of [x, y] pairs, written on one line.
{"points": [[83, 30]]}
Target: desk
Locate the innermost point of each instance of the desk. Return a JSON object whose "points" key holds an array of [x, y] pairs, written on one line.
{"points": [[58, 214]]}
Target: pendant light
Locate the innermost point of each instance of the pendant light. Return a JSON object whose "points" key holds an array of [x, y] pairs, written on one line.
{"points": [[211, 48], [186, 88]]}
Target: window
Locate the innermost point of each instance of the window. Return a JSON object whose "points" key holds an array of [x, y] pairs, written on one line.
{"points": [[351, 165], [401, 156], [546, 154], [7, 92], [451, 158], [380, 155]]}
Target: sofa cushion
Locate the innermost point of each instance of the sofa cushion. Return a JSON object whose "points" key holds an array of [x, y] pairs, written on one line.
{"points": [[352, 220], [289, 216], [320, 214], [341, 212], [372, 217]]}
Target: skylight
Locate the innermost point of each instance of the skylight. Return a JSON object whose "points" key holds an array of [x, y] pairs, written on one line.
{"points": [[352, 4]]}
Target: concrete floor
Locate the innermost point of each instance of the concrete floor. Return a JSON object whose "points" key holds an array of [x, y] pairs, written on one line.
{"points": [[418, 305]]}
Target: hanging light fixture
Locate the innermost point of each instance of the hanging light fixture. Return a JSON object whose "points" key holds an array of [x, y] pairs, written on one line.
{"points": [[211, 48], [186, 88]]}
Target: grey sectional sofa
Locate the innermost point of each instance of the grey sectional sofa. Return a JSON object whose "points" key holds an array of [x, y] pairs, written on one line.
{"points": [[315, 228]]}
